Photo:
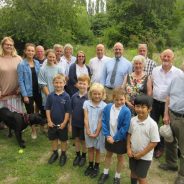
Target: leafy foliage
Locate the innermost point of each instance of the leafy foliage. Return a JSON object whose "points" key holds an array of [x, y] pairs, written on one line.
{"points": [[142, 20], [45, 22]]}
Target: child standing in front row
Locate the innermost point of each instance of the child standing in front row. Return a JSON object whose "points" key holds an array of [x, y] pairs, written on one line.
{"points": [[57, 112], [115, 123], [142, 138], [77, 119], [92, 119]]}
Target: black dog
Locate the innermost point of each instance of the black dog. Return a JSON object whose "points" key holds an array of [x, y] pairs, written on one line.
{"points": [[18, 122]]}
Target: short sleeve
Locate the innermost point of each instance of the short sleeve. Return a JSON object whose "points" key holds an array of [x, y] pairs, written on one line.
{"points": [[85, 104], [68, 105], [154, 133], [130, 127]]}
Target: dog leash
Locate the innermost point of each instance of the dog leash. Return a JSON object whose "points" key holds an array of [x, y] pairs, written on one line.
{"points": [[25, 116]]}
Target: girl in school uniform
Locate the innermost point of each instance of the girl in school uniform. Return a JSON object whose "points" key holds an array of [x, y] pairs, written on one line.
{"points": [[115, 123], [92, 119]]}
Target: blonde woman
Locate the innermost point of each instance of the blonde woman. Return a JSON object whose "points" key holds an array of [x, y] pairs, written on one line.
{"points": [[9, 88]]}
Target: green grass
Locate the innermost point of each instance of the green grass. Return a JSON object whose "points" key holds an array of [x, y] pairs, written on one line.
{"points": [[31, 166]]}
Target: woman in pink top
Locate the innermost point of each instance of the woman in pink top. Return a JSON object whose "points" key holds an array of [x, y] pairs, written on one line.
{"points": [[9, 89]]}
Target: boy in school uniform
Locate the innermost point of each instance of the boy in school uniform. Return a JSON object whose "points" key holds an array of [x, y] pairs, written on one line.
{"points": [[143, 136], [57, 112], [77, 119]]}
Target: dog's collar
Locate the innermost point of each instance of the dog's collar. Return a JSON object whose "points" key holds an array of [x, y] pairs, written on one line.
{"points": [[26, 118]]}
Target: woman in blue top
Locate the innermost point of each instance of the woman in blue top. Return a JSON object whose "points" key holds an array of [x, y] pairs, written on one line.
{"points": [[115, 123], [28, 71]]}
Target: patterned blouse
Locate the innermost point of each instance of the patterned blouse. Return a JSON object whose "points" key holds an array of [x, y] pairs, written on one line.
{"points": [[135, 87]]}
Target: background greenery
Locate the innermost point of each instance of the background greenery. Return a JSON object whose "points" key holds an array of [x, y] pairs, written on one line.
{"points": [[46, 22]]}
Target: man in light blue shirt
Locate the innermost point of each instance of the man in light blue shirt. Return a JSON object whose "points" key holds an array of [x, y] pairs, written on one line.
{"points": [[113, 73]]}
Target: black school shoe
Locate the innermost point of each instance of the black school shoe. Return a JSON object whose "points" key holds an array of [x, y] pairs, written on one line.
{"points": [[82, 161], [116, 181], [94, 172], [103, 178], [62, 160], [88, 171], [76, 160], [53, 158]]}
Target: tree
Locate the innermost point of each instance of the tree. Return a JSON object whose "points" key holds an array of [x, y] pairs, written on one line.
{"points": [[43, 22], [142, 20]]}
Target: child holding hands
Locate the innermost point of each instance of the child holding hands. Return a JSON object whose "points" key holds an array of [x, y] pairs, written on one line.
{"points": [[115, 123], [92, 119], [143, 136], [77, 119], [57, 112]]}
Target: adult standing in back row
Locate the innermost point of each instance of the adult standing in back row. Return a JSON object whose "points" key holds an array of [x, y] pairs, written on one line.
{"points": [[160, 80], [96, 64], [149, 64], [115, 70]]}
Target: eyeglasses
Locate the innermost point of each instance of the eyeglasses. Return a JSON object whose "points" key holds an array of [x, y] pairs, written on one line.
{"points": [[81, 56]]}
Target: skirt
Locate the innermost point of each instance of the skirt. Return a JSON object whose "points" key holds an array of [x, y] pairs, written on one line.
{"points": [[119, 147]]}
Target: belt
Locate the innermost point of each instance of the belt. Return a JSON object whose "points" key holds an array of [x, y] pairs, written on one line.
{"points": [[157, 101], [177, 114], [109, 87]]}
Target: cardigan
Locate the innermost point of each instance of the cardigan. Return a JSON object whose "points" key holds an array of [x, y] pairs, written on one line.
{"points": [[73, 79], [124, 118]]}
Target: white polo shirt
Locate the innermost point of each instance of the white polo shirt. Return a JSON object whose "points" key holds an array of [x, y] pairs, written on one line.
{"points": [[142, 133], [96, 67], [162, 80]]}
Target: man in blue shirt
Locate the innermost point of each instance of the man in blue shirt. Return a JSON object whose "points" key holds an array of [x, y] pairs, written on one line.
{"points": [[115, 70]]}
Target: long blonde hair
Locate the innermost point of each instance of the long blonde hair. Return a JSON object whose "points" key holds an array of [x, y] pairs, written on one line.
{"points": [[7, 38]]}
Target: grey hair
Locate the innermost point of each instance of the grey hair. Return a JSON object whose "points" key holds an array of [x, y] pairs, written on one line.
{"points": [[142, 45], [139, 58], [68, 45], [57, 46]]}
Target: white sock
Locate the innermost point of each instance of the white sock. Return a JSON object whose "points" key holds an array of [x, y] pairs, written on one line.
{"points": [[117, 175], [106, 171]]}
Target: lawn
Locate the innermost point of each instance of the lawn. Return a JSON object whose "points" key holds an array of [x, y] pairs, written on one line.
{"points": [[31, 166]]}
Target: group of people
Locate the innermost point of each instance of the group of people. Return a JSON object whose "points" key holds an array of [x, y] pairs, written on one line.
{"points": [[109, 104]]}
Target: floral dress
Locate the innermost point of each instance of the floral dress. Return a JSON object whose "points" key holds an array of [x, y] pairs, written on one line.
{"points": [[135, 87]]}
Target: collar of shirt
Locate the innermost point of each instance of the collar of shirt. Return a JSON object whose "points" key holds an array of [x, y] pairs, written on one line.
{"points": [[142, 122], [82, 96], [171, 69], [116, 108], [94, 106], [59, 94]]}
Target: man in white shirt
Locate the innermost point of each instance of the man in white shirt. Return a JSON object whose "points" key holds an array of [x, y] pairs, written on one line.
{"points": [[160, 80], [96, 64]]}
